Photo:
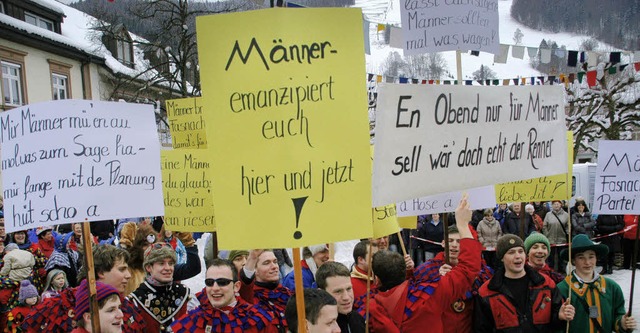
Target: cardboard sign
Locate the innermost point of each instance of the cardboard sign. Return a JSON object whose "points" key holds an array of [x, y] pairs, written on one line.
{"points": [[433, 139], [480, 197], [408, 222], [75, 160], [385, 221], [617, 189], [186, 123], [289, 136], [438, 25], [186, 185], [547, 188]]}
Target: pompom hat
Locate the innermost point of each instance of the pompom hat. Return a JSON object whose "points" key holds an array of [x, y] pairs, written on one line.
{"points": [[27, 290]]}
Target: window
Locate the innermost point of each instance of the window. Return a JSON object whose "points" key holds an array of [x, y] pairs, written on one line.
{"points": [[60, 84], [60, 79], [11, 83], [124, 51], [38, 21]]}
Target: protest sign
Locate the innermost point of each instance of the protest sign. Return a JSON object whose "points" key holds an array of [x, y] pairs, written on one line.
{"points": [[186, 123], [290, 136], [433, 139], [617, 189], [385, 221], [74, 160], [547, 188], [480, 197], [436, 25], [186, 185], [408, 222]]}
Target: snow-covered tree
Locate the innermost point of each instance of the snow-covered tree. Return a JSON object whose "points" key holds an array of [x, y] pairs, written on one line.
{"points": [[517, 36], [484, 73], [610, 110]]}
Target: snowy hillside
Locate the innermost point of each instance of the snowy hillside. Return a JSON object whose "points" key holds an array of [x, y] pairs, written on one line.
{"points": [[388, 12]]}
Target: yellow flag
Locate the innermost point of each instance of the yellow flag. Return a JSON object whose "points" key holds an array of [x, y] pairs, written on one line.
{"points": [[288, 130], [186, 123], [186, 187]]}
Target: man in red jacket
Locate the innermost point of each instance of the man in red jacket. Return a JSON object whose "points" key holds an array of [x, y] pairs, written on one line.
{"points": [[414, 305], [220, 310], [361, 267]]}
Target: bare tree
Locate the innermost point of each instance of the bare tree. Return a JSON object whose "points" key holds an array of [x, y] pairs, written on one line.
{"points": [[517, 36], [610, 110], [484, 73]]}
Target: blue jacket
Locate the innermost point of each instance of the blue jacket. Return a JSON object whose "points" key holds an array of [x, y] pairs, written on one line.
{"points": [[308, 281]]}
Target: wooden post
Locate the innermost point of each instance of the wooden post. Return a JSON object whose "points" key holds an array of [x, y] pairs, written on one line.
{"points": [[404, 249], [369, 275], [332, 251], [523, 220], [634, 260], [297, 275], [445, 226], [91, 276], [459, 66], [214, 248]]}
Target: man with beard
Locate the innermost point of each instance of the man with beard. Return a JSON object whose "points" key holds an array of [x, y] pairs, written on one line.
{"points": [[537, 248], [220, 310], [162, 299], [334, 278], [459, 315], [260, 285], [517, 298]]}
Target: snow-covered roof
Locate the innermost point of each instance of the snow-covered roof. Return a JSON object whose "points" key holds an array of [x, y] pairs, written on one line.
{"points": [[49, 5]]}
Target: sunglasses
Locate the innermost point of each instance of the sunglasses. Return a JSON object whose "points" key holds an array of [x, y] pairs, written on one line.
{"points": [[222, 282]]}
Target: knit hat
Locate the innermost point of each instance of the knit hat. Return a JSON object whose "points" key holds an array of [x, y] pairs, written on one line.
{"points": [[236, 253], [581, 243], [315, 249], [27, 290], [157, 252], [507, 242], [536, 237], [103, 291]]}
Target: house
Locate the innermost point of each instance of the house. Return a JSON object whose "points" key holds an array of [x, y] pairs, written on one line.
{"points": [[50, 51]]}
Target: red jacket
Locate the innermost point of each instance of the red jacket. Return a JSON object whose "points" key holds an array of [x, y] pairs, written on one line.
{"points": [[496, 311], [630, 220], [272, 298], [359, 282], [416, 305]]}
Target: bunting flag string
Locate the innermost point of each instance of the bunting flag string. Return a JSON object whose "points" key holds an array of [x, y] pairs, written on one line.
{"points": [[591, 77]]}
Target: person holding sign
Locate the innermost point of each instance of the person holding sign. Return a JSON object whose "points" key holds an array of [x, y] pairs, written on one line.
{"points": [[412, 305], [517, 298], [260, 285], [599, 300], [220, 310], [333, 277], [459, 316]]}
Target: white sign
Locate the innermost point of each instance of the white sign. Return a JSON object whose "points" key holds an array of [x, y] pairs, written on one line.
{"points": [[445, 25], [617, 189], [480, 197], [76, 160], [434, 139]]}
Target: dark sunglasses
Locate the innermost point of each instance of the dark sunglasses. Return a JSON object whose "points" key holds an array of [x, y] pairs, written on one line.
{"points": [[222, 282]]}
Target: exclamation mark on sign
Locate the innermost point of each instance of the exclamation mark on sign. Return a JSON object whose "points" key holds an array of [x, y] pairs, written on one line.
{"points": [[297, 204]]}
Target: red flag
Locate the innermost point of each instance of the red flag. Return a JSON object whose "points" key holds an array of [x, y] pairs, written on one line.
{"points": [[591, 78]]}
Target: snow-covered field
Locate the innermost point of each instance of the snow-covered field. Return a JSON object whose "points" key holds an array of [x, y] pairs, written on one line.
{"points": [[344, 255]]}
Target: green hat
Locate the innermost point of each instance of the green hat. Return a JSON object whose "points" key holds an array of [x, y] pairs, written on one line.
{"points": [[236, 253], [534, 238], [507, 242], [581, 243]]}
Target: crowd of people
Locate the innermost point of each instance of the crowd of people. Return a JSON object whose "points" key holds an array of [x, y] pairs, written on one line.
{"points": [[490, 279]]}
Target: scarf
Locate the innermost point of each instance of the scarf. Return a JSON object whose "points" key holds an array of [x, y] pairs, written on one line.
{"points": [[157, 283], [238, 318]]}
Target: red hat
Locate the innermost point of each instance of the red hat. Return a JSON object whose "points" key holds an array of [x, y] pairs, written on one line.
{"points": [[103, 291]]}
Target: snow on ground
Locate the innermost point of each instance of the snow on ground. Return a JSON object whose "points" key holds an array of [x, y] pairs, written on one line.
{"points": [[344, 255], [388, 12]]}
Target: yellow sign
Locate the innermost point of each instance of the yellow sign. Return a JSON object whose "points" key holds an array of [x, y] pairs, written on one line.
{"points": [[408, 222], [186, 187], [385, 221], [186, 123], [557, 187], [290, 134]]}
